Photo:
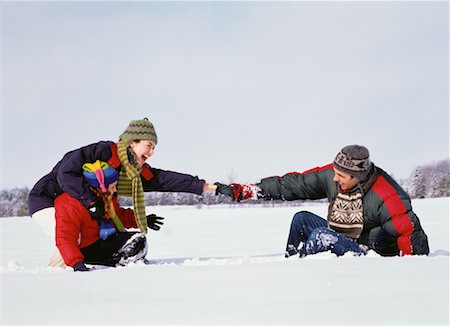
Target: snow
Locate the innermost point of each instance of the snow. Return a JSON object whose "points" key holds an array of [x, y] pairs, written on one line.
{"points": [[225, 266]]}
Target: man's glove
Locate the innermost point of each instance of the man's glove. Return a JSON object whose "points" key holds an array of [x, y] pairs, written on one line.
{"points": [[386, 244], [237, 192], [97, 210], [154, 222], [81, 267]]}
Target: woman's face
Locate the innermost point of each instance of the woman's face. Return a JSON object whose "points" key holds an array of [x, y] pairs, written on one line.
{"points": [[142, 150]]}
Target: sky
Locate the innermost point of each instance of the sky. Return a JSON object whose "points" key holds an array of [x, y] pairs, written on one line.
{"points": [[237, 91]]}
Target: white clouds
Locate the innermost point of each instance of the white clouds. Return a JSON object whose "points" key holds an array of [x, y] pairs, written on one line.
{"points": [[260, 87]]}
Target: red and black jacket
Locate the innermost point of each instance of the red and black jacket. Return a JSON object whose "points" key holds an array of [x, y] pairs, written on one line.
{"points": [[390, 225]]}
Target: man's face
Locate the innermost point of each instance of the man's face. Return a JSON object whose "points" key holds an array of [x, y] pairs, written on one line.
{"points": [[345, 180]]}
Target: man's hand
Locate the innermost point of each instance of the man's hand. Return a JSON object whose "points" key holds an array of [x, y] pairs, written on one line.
{"points": [[236, 191]]}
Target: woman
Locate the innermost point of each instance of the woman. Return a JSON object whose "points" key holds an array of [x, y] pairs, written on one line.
{"points": [[136, 144]]}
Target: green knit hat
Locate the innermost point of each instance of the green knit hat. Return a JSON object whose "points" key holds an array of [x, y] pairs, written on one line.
{"points": [[139, 130]]}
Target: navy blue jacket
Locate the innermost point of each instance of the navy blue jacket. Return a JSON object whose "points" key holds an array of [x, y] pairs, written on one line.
{"points": [[67, 176]]}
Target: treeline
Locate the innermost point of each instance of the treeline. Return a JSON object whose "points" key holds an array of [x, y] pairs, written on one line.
{"points": [[171, 199], [14, 202], [427, 181]]}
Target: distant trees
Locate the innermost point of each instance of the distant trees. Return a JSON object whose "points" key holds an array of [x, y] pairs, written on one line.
{"points": [[427, 181], [418, 187], [14, 202], [170, 198], [439, 185]]}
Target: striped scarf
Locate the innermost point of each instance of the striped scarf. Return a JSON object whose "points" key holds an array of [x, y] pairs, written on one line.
{"points": [[130, 184]]}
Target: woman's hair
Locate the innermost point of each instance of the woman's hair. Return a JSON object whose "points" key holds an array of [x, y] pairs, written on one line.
{"points": [[106, 198]]}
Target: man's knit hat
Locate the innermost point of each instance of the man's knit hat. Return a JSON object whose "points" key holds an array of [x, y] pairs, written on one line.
{"points": [[139, 130], [354, 160], [99, 174]]}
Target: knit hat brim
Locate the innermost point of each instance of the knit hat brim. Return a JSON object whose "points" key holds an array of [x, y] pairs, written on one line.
{"points": [[354, 160]]}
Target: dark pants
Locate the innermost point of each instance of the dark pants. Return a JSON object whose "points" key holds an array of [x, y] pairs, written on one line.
{"points": [[105, 252], [313, 232]]}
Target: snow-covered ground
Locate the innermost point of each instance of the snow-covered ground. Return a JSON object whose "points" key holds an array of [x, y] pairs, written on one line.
{"points": [[226, 266]]}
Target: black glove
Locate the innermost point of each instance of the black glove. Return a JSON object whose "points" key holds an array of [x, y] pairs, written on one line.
{"points": [[97, 210], [226, 190], [154, 222], [386, 244], [238, 192], [81, 267]]}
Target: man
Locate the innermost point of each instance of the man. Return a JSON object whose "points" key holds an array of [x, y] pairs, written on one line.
{"points": [[368, 209]]}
